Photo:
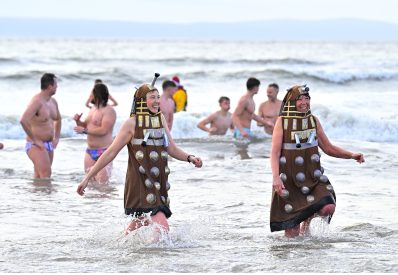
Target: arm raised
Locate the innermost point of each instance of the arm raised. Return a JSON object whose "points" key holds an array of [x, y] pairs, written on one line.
{"points": [[333, 150], [124, 136]]}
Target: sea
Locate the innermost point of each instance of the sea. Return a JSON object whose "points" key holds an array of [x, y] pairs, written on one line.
{"points": [[220, 220]]}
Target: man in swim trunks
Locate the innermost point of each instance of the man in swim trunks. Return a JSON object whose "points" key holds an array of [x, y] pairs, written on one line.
{"points": [[41, 122], [219, 121], [98, 126], [244, 112], [269, 110]]}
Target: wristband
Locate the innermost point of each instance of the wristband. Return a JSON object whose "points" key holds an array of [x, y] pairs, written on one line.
{"points": [[188, 158], [85, 131]]}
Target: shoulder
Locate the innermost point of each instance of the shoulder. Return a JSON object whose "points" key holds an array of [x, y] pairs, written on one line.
{"points": [[36, 101]]}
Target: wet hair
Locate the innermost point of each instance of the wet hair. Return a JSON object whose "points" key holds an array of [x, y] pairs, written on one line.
{"points": [[47, 79], [97, 81], [275, 86], [167, 84], [222, 99], [252, 82], [101, 93], [306, 95]]}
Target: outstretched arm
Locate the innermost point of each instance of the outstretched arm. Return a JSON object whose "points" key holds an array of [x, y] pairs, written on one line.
{"points": [[333, 150], [124, 136], [277, 140], [202, 125], [179, 154]]}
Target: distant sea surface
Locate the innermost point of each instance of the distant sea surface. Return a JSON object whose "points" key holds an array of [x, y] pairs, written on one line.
{"points": [[220, 219]]}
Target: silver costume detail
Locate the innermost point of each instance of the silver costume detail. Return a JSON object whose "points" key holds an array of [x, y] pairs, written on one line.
{"points": [[166, 142], [163, 200], [304, 84], [154, 79], [167, 186], [300, 177], [311, 138], [154, 133], [151, 198], [310, 199], [293, 146], [142, 170], [150, 142], [137, 86], [167, 170], [139, 155], [154, 156], [164, 155], [285, 194], [298, 145], [322, 170], [323, 179], [329, 187], [315, 158], [288, 208], [283, 177], [168, 200], [282, 161], [145, 140], [305, 190], [317, 173], [155, 172], [148, 183], [299, 161], [157, 185]]}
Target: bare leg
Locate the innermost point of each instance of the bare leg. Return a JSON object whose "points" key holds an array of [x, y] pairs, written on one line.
{"points": [[292, 232], [105, 173], [41, 162], [135, 224], [159, 218], [324, 212], [88, 163]]}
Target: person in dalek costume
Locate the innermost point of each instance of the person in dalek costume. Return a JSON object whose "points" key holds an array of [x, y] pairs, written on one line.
{"points": [[149, 144], [301, 190]]}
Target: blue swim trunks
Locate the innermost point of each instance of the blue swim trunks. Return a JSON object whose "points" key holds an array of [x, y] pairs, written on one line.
{"points": [[238, 134], [48, 145], [96, 153]]}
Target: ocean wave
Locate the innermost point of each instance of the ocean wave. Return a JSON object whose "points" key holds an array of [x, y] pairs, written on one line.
{"points": [[337, 125]]}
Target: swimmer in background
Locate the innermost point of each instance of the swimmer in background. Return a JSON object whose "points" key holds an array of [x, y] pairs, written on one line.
{"points": [[269, 110], [167, 103], [244, 112], [219, 121], [98, 126], [41, 122], [89, 100]]}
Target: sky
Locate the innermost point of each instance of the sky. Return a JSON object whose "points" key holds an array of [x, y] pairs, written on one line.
{"points": [[186, 11]]}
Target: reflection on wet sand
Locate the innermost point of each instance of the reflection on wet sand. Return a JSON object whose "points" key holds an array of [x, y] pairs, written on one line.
{"points": [[42, 185]]}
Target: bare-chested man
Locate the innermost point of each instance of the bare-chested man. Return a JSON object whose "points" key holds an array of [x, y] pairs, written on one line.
{"points": [[219, 121], [167, 103], [42, 124], [244, 112], [269, 110], [98, 126]]}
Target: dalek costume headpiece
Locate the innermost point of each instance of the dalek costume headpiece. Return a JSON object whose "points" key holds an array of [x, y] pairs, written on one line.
{"points": [[147, 186], [307, 189]]}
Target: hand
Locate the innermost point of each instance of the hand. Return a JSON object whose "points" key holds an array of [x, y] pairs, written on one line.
{"points": [[55, 143], [77, 117], [196, 161], [39, 144], [81, 187], [244, 134], [78, 129], [213, 130], [271, 124], [277, 185], [358, 157]]}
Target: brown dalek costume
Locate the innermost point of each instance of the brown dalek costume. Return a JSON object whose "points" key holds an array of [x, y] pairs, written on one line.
{"points": [[307, 190], [147, 173]]}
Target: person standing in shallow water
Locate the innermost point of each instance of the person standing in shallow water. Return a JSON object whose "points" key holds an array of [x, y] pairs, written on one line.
{"points": [[300, 188], [149, 144], [269, 110]]}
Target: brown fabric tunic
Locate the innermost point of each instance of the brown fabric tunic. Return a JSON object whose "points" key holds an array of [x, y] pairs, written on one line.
{"points": [[137, 195], [304, 202]]}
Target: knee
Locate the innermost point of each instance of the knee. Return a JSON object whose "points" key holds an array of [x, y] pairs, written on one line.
{"points": [[46, 173], [327, 210]]}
